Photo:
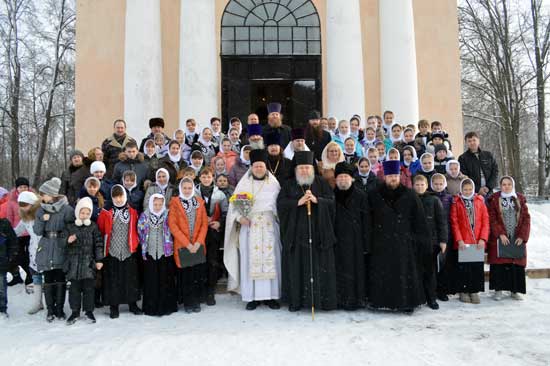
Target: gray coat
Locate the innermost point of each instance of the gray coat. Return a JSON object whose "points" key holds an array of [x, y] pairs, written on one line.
{"points": [[83, 253], [51, 250]]}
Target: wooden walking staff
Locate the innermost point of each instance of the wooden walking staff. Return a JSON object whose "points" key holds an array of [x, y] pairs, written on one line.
{"points": [[310, 260]]}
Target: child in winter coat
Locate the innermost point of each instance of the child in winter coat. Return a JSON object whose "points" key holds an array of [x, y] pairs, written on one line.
{"points": [[511, 224], [375, 165], [84, 255], [222, 182], [28, 206], [216, 205], [161, 186], [227, 154], [98, 169], [159, 269], [426, 167], [51, 223], [8, 251], [120, 266], [444, 285], [440, 159], [470, 226], [454, 177], [134, 193], [365, 179], [437, 224], [91, 190], [188, 224]]}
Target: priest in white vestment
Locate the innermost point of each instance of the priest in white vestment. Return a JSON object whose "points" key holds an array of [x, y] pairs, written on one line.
{"points": [[252, 247]]}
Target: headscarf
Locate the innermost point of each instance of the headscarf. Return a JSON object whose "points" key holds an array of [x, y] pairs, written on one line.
{"points": [[188, 202], [162, 186], [422, 157], [174, 158], [511, 194], [438, 175], [448, 170], [151, 201], [245, 162], [201, 137], [343, 137], [466, 180], [359, 170], [393, 139], [324, 156], [124, 194], [414, 156], [390, 150], [121, 212]]}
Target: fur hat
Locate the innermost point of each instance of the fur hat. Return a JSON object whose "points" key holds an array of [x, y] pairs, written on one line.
{"points": [[156, 122], [51, 187], [85, 202], [22, 181]]}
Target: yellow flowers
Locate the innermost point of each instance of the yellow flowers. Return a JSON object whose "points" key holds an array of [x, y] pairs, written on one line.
{"points": [[240, 196]]}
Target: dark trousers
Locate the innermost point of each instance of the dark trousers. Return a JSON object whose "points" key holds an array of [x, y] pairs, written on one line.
{"points": [[22, 259], [190, 282], [214, 260], [429, 277], [55, 291], [82, 295], [3, 292]]}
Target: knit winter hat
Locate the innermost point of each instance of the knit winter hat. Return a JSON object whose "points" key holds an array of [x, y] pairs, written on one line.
{"points": [[22, 181], [51, 187], [85, 202], [97, 166], [74, 153], [27, 197]]}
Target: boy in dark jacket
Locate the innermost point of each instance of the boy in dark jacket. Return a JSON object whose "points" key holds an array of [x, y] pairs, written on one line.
{"points": [[135, 194], [437, 224], [441, 158], [84, 251], [8, 251]]}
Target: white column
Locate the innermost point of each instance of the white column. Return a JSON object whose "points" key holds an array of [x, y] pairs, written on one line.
{"points": [[346, 88], [398, 74], [199, 80], [143, 95]]}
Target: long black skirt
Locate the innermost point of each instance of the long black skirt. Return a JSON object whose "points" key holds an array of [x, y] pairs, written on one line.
{"points": [[507, 277], [470, 277], [190, 284], [159, 286], [120, 281]]}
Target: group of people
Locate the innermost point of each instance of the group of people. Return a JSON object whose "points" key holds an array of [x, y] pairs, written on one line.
{"points": [[336, 215]]}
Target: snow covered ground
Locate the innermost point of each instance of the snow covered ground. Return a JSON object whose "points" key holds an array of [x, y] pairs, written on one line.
{"points": [[538, 247], [493, 333]]}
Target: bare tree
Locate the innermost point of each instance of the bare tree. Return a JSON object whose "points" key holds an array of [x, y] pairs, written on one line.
{"points": [[491, 52]]}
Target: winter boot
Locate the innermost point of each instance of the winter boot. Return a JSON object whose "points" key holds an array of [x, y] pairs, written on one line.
{"points": [[49, 296], [464, 297], [210, 299], [517, 296], [73, 318], [113, 310], [90, 316], [272, 304], [252, 305], [475, 298], [134, 309], [36, 300], [61, 290]]}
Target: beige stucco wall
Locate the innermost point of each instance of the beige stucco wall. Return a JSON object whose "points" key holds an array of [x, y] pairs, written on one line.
{"points": [[100, 64]]}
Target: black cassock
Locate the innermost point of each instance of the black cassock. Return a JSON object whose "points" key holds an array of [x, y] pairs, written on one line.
{"points": [[295, 242], [352, 233], [282, 169], [399, 235]]}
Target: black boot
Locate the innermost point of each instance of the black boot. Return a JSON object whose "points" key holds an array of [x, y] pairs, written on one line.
{"points": [[134, 309], [73, 318], [113, 309], [252, 305], [272, 304], [210, 299], [90, 316], [49, 296], [61, 291], [16, 279], [98, 302]]}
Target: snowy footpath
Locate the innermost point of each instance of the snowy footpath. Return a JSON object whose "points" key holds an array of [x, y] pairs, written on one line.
{"points": [[493, 333]]}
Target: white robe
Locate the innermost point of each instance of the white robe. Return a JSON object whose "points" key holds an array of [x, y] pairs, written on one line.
{"points": [[237, 241]]}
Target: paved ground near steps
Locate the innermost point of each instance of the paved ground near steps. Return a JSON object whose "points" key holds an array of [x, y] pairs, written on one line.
{"points": [[506, 333]]}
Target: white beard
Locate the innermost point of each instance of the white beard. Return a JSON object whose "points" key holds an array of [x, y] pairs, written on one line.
{"points": [[305, 181]]}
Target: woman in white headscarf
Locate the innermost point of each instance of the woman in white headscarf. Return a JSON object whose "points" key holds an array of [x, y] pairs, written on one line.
{"points": [[205, 145], [161, 186]]}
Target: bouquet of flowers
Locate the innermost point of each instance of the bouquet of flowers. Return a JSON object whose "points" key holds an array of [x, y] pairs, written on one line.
{"points": [[243, 202]]}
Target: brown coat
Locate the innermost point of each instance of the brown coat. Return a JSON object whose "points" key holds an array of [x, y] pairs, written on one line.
{"points": [[179, 226]]}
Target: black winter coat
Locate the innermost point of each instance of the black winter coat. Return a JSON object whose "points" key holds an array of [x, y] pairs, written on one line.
{"points": [[72, 180], [8, 245], [399, 242], [112, 146], [471, 165], [84, 253], [167, 164], [137, 165], [317, 145], [436, 219], [371, 183]]}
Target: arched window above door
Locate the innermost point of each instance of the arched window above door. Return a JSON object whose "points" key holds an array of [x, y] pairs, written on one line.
{"points": [[270, 27]]}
